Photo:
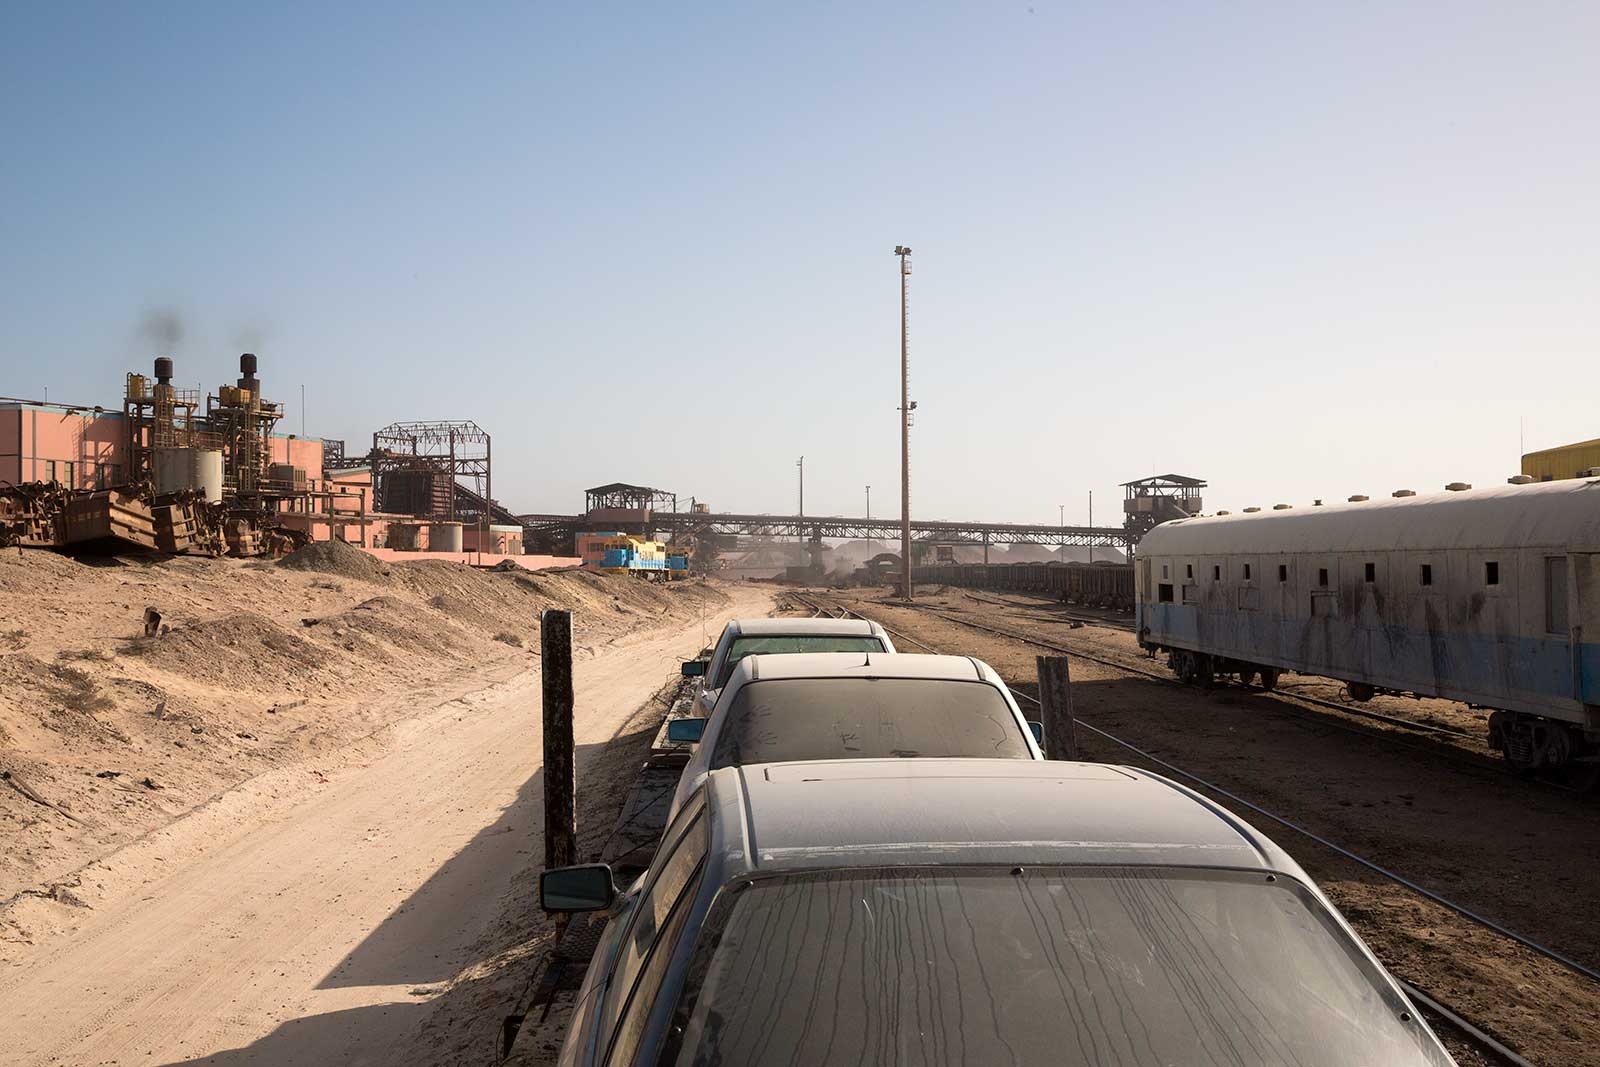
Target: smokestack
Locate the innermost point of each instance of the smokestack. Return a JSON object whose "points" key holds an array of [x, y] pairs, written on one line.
{"points": [[164, 370], [248, 384]]}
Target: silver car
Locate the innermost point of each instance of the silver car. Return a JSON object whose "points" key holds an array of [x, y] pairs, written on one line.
{"points": [[768, 637], [844, 705], [974, 912]]}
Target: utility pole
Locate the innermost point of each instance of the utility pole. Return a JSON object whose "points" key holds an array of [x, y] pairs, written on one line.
{"points": [[1062, 521], [872, 542], [1091, 523], [904, 252], [801, 463]]}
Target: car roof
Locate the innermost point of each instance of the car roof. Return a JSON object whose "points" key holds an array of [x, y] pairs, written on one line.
{"points": [[861, 665], [865, 813], [799, 627]]}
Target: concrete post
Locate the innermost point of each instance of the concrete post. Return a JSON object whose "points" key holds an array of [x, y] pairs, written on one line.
{"points": [[560, 771], [1055, 706]]}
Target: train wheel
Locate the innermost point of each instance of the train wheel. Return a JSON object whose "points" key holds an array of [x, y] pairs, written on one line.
{"points": [[1246, 675], [1183, 667], [1269, 678], [1360, 692], [1205, 670]]}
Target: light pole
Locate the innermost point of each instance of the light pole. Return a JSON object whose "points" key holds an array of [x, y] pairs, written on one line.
{"points": [[1062, 521], [1091, 523], [801, 463], [872, 542], [904, 252]]}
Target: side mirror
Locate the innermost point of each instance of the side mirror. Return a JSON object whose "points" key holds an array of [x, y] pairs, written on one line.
{"points": [[1037, 729], [686, 731], [587, 887], [694, 668]]}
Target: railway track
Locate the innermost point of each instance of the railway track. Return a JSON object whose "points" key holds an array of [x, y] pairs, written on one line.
{"points": [[1437, 1006], [1163, 676]]}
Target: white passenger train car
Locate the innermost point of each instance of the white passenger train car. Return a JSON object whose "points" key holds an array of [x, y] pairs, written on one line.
{"points": [[1490, 596]]}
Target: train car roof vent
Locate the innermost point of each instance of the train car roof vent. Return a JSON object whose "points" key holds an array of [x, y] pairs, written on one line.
{"points": [[1282, 507], [1358, 498], [1404, 492], [1251, 511], [1224, 513], [1519, 479], [1456, 487], [1317, 503]]}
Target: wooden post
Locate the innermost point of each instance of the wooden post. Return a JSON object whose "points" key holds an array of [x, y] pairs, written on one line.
{"points": [[560, 772], [1055, 705]]}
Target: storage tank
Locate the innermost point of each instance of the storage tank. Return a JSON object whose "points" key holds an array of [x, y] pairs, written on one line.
{"points": [[444, 537], [405, 536], [507, 540], [200, 469]]}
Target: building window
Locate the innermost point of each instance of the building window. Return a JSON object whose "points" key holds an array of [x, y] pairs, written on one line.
{"points": [[1164, 572], [1491, 573], [49, 470], [1188, 570], [1427, 574], [1372, 572], [1283, 572], [1164, 593], [1247, 572], [1216, 572], [1322, 577]]}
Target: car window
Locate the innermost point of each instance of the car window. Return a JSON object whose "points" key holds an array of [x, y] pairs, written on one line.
{"points": [[643, 998], [718, 653], [1144, 967], [776, 644], [787, 719], [682, 850]]}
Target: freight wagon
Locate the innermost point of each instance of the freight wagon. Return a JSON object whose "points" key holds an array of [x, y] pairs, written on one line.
{"points": [[1490, 597], [1101, 585]]}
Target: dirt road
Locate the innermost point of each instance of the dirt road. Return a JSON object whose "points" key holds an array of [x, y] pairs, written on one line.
{"points": [[308, 916]]}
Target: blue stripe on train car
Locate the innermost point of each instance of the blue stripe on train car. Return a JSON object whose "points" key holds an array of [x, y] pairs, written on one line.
{"points": [[1481, 669]]}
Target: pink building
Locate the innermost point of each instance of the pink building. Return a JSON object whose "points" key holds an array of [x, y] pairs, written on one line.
{"points": [[87, 448]]}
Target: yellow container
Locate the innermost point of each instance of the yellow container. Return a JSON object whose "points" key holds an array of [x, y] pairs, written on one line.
{"points": [[1550, 464]]}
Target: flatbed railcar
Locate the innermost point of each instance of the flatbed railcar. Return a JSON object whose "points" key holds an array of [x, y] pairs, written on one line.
{"points": [[1490, 597], [1101, 585]]}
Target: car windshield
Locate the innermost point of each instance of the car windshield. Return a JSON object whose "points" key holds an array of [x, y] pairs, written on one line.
{"points": [[1140, 967], [776, 644], [787, 719]]}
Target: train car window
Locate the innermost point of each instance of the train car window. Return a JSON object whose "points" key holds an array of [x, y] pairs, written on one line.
{"points": [[1189, 567], [1322, 577], [1247, 572], [1216, 573], [1283, 572], [1372, 572], [1164, 593], [1189, 594], [1427, 574], [1491, 573], [1164, 572], [1555, 594]]}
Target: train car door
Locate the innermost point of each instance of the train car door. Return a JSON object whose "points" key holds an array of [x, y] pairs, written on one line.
{"points": [[1572, 601]]}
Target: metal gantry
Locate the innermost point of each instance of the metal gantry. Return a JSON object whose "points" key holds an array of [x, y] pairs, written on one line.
{"points": [[417, 467]]}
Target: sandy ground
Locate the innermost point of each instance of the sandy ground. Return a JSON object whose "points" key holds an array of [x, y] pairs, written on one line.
{"points": [[1517, 852], [340, 901]]}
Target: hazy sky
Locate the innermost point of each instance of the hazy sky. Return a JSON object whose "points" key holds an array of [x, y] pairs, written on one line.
{"points": [[1299, 250]]}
